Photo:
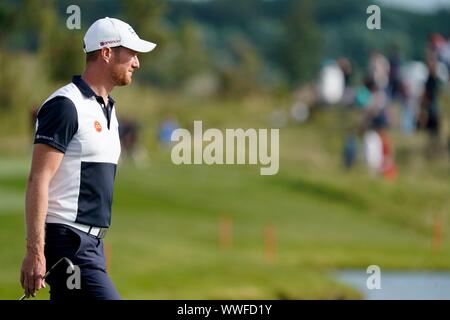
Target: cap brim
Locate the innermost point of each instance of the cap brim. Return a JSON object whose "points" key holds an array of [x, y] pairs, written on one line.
{"points": [[139, 45]]}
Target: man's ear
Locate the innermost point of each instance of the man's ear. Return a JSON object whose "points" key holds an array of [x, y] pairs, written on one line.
{"points": [[105, 54]]}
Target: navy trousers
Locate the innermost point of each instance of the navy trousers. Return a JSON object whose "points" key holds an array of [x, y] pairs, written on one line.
{"points": [[86, 253]]}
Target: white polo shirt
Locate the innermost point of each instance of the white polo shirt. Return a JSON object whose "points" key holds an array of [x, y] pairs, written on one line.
{"points": [[75, 121]]}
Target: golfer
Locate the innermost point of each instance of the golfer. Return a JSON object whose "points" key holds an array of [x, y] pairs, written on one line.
{"points": [[70, 186]]}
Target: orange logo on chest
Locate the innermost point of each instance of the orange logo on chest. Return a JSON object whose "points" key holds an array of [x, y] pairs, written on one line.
{"points": [[97, 126]]}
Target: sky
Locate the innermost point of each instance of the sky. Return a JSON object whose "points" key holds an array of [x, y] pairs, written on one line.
{"points": [[417, 5]]}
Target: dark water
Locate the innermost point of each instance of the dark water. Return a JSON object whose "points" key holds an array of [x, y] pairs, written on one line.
{"points": [[402, 285]]}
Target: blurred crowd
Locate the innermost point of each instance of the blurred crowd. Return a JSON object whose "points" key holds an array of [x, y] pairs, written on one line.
{"points": [[411, 86]]}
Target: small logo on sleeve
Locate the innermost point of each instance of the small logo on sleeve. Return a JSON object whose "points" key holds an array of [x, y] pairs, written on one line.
{"points": [[97, 126]]}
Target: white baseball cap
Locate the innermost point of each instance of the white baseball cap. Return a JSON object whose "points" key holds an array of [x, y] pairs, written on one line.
{"points": [[111, 32]]}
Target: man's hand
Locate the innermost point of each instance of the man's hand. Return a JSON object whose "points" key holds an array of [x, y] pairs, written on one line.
{"points": [[32, 273]]}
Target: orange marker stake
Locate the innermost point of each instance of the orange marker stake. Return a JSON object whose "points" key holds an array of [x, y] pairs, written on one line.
{"points": [[437, 233], [225, 233], [270, 244], [108, 250]]}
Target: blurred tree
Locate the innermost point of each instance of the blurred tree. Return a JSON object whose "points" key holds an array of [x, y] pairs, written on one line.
{"points": [[147, 18], [241, 75], [6, 81], [7, 21], [24, 31], [288, 36], [60, 48], [179, 54], [37, 26], [182, 58], [300, 47], [194, 56]]}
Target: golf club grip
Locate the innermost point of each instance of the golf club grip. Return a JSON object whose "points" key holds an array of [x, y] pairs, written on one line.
{"points": [[23, 297]]}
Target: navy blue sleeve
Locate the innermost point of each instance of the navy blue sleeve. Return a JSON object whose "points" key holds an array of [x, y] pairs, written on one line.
{"points": [[57, 122]]}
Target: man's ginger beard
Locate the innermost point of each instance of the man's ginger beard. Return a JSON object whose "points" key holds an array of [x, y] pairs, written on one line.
{"points": [[119, 74]]}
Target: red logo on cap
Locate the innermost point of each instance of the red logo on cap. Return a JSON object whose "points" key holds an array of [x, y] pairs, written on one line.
{"points": [[104, 43], [97, 126]]}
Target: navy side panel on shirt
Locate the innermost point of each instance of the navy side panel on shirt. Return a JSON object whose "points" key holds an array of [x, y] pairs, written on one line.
{"points": [[96, 192], [57, 123]]}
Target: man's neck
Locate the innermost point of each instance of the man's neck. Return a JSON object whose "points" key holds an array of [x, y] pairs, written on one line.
{"points": [[98, 84]]}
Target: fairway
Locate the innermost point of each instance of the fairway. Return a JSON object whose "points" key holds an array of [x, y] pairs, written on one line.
{"points": [[163, 243]]}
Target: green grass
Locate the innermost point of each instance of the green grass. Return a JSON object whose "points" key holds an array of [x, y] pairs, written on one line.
{"points": [[164, 234]]}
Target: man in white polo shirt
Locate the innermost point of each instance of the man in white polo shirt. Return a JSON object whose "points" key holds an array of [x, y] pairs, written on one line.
{"points": [[70, 186]]}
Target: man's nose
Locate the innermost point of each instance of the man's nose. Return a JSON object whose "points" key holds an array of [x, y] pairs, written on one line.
{"points": [[136, 64]]}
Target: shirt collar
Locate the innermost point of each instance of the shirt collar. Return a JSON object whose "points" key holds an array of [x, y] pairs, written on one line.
{"points": [[86, 90]]}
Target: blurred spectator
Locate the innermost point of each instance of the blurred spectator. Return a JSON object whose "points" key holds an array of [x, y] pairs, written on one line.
{"points": [[378, 151], [350, 150], [362, 96], [373, 151], [376, 108], [429, 116], [445, 53], [346, 68], [300, 112], [379, 70], [400, 89], [166, 128], [388, 168], [413, 75], [395, 85], [436, 47], [408, 108], [331, 84], [129, 140]]}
